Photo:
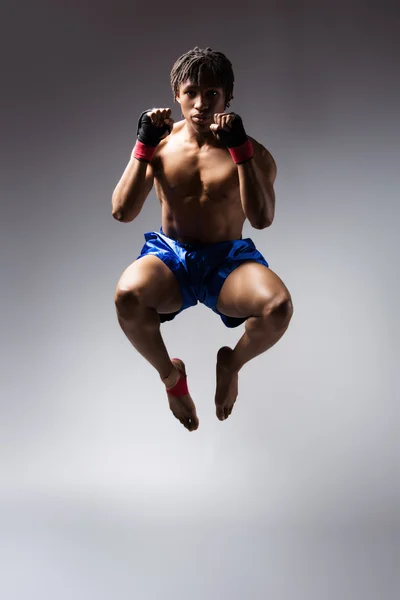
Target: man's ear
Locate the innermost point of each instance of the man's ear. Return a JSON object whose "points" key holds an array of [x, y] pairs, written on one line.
{"points": [[177, 99], [228, 102]]}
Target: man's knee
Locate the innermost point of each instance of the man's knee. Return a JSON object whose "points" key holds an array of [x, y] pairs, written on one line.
{"points": [[128, 301], [278, 310]]}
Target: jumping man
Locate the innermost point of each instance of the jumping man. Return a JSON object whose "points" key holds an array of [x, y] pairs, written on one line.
{"points": [[209, 177]]}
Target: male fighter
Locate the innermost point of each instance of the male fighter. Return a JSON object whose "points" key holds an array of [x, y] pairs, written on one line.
{"points": [[209, 177]]}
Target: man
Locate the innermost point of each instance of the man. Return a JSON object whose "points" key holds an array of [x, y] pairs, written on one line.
{"points": [[209, 177]]}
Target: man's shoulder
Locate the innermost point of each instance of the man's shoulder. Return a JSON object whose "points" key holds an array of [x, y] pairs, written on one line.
{"points": [[170, 146], [259, 148], [174, 136]]}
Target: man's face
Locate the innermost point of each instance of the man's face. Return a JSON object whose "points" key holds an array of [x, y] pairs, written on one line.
{"points": [[200, 102]]}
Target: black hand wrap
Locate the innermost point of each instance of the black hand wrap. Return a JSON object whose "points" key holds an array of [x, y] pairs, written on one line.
{"points": [[235, 136], [148, 133]]}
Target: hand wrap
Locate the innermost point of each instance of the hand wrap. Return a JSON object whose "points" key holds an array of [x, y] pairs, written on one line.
{"points": [[236, 140], [149, 136]]}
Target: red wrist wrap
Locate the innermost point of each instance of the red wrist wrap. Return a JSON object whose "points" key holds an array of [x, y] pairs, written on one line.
{"points": [[242, 153], [144, 152]]}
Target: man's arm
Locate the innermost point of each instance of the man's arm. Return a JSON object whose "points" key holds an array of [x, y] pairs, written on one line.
{"points": [[132, 190], [256, 181], [256, 169], [137, 180]]}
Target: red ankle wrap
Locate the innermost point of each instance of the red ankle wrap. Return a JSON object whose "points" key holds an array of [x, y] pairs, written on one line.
{"points": [[180, 388]]}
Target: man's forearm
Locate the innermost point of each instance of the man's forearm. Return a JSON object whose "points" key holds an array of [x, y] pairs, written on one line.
{"points": [[131, 191], [257, 194]]}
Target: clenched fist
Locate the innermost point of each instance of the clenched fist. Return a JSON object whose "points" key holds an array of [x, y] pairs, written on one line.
{"points": [[154, 125], [228, 128]]}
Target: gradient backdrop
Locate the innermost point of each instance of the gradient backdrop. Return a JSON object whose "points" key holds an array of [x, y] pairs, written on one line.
{"points": [[104, 494]]}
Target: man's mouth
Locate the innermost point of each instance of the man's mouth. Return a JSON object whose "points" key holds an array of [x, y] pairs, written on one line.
{"points": [[201, 117]]}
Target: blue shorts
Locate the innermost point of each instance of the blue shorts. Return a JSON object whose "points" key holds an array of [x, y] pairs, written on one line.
{"points": [[201, 269]]}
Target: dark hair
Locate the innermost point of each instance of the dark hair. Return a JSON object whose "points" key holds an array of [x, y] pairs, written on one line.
{"points": [[192, 64]]}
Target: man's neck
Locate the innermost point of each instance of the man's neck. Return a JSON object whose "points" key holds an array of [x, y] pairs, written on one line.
{"points": [[199, 138]]}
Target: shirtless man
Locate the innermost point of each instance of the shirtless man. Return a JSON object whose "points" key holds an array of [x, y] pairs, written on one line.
{"points": [[209, 177]]}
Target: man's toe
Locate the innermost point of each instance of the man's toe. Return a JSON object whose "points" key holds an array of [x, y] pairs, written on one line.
{"points": [[220, 413]]}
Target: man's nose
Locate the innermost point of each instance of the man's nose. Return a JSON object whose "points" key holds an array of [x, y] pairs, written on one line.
{"points": [[201, 102]]}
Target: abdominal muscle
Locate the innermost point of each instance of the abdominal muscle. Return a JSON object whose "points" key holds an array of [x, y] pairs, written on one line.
{"points": [[199, 221]]}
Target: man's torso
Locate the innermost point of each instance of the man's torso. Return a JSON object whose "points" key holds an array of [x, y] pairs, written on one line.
{"points": [[198, 189]]}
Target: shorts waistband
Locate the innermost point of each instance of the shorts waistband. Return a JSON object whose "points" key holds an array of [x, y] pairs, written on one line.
{"points": [[196, 245]]}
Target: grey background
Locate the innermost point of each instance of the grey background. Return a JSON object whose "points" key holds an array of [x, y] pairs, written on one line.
{"points": [[103, 493]]}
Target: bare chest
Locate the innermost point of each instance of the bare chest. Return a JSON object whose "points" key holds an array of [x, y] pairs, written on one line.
{"points": [[208, 174]]}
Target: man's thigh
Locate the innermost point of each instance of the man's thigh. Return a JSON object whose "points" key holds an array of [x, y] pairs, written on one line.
{"points": [[251, 289], [153, 283]]}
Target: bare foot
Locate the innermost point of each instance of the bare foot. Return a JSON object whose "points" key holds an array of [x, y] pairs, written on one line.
{"points": [[227, 383], [182, 407]]}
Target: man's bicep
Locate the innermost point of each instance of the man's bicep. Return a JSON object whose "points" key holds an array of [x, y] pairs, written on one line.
{"points": [[268, 164], [265, 161], [271, 166]]}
